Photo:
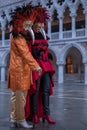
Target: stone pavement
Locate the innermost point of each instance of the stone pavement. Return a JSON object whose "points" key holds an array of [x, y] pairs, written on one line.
{"points": [[68, 108]]}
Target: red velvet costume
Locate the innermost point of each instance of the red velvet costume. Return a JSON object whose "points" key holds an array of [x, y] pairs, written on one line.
{"points": [[41, 87], [40, 52]]}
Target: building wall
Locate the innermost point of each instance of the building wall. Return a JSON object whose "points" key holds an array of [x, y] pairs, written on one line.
{"points": [[62, 42]]}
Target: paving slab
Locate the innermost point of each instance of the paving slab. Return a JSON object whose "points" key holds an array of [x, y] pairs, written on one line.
{"points": [[68, 106]]}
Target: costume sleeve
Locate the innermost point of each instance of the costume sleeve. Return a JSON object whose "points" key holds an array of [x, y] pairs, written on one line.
{"points": [[25, 53]]}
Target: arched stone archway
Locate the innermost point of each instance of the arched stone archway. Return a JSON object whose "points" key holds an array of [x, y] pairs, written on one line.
{"points": [[73, 60], [77, 58], [66, 48], [74, 68]]}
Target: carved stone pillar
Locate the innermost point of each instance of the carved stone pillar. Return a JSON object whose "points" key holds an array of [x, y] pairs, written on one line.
{"points": [[3, 24], [60, 72], [73, 10], [85, 12], [73, 16], [60, 27], [49, 29], [2, 73], [85, 73]]}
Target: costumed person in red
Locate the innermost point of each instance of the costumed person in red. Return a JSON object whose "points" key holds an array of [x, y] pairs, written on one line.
{"points": [[42, 86], [21, 65]]}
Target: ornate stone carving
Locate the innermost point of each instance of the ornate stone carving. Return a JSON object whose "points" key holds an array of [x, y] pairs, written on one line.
{"points": [[49, 3], [61, 2]]}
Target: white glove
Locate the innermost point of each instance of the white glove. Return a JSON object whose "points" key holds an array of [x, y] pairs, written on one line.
{"points": [[39, 70]]}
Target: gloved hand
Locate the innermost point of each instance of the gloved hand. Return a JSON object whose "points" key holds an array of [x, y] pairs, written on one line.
{"points": [[39, 70]]}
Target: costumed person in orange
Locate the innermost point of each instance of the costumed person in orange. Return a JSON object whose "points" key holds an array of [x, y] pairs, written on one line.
{"points": [[42, 86], [21, 65]]}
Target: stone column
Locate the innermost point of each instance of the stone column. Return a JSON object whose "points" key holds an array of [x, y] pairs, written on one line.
{"points": [[60, 72], [49, 29], [85, 12], [2, 73], [60, 27], [85, 73], [3, 36], [86, 24], [3, 23], [73, 25], [8, 16], [73, 11]]}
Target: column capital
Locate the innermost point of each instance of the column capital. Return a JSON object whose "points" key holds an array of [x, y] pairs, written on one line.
{"points": [[2, 65], [73, 14], [60, 13], [73, 9], [85, 63], [60, 63], [60, 16], [85, 10], [3, 28]]}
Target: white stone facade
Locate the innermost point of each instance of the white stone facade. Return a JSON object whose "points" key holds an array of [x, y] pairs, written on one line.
{"points": [[61, 44]]}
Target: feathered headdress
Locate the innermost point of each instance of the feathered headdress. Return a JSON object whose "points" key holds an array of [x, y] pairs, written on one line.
{"points": [[40, 17], [40, 14], [21, 17]]}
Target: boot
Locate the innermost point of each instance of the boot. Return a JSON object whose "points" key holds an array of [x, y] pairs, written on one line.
{"points": [[48, 118], [23, 124], [35, 119]]}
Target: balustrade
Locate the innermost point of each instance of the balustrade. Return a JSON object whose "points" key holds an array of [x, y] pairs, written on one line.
{"points": [[68, 34]]}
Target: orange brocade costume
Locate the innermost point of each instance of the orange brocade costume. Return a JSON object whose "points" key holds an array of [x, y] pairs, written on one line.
{"points": [[21, 65]]}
